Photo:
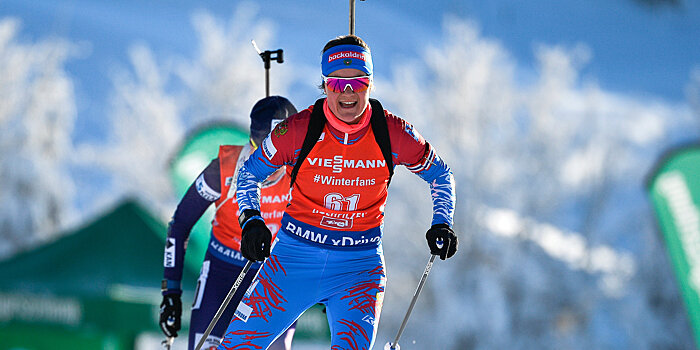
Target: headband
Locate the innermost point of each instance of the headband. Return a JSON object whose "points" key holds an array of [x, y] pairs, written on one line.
{"points": [[346, 56]]}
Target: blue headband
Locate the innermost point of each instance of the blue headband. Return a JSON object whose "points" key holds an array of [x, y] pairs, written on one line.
{"points": [[346, 56]]}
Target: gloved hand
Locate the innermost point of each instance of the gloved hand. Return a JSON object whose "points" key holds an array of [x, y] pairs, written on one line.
{"points": [[170, 314], [442, 241], [256, 239]]}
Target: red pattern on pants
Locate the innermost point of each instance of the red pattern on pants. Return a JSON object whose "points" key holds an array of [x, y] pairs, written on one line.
{"points": [[298, 275]]}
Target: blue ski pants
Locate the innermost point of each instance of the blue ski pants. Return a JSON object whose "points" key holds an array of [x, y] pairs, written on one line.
{"points": [[350, 283]]}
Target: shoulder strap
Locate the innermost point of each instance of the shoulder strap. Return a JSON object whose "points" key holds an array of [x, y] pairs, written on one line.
{"points": [[316, 123], [381, 134]]}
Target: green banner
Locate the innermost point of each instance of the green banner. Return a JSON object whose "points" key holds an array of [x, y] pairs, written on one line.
{"points": [[674, 188]]}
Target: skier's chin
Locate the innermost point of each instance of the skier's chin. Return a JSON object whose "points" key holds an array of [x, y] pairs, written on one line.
{"points": [[349, 117]]}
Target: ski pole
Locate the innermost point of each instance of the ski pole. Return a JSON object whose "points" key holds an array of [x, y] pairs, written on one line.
{"points": [[225, 303], [352, 17], [395, 344], [267, 57]]}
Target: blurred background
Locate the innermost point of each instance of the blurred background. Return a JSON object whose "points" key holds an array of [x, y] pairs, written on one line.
{"points": [[552, 116]]}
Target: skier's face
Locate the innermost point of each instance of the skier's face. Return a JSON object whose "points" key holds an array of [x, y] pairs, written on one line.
{"points": [[348, 105]]}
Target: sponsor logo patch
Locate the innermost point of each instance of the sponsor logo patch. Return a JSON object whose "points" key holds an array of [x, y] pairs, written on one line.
{"points": [[205, 191], [269, 148], [346, 56], [281, 127], [243, 312], [338, 163], [274, 122], [336, 240], [169, 256], [340, 223]]}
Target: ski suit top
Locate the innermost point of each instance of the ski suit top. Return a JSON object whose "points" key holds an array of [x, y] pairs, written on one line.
{"points": [[338, 197], [215, 180]]}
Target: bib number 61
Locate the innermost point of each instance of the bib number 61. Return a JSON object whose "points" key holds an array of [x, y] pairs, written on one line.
{"points": [[338, 202]]}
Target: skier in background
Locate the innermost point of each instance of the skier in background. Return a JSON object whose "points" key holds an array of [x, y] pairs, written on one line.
{"points": [[223, 261], [329, 247]]}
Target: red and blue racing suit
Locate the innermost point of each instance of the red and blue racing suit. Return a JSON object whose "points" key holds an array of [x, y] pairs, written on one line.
{"points": [[329, 248]]}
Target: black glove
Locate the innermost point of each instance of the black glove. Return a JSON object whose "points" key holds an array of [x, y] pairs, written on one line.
{"points": [[170, 314], [442, 241], [256, 239]]}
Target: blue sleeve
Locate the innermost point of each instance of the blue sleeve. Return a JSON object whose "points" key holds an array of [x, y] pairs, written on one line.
{"points": [[255, 170], [442, 186], [199, 196]]}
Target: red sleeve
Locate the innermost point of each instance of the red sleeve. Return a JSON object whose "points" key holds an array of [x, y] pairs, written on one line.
{"points": [[284, 143], [407, 145]]}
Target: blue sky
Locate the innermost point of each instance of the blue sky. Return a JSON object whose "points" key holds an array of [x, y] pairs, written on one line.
{"points": [[634, 49]]}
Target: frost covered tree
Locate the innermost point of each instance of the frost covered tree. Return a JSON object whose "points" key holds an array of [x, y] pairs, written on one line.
{"points": [[159, 99], [226, 77], [37, 112], [144, 127], [558, 249]]}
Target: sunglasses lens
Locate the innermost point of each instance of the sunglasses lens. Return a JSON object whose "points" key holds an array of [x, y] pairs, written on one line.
{"points": [[358, 84]]}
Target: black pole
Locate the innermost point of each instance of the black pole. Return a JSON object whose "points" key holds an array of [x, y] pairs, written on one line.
{"points": [[267, 56], [352, 17]]}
